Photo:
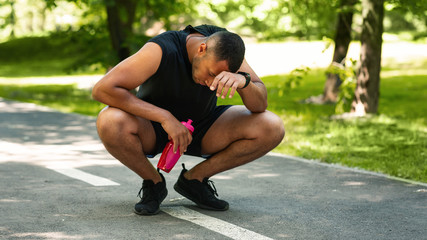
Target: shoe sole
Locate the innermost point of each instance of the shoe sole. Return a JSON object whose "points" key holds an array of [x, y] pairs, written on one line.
{"points": [[201, 205], [145, 213]]}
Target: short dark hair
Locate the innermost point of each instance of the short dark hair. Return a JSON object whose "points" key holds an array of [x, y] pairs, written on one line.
{"points": [[230, 47]]}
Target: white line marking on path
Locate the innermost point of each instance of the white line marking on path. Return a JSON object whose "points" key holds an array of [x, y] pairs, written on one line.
{"points": [[84, 176], [214, 224], [316, 162]]}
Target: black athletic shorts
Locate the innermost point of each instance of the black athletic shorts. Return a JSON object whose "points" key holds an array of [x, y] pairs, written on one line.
{"points": [[200, 129]]}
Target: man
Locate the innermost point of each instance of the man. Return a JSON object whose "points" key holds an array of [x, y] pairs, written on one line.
{"points": [[180, 74]]}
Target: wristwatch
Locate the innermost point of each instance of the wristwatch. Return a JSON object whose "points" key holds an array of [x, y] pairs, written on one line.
{"points": [[247, 77]]}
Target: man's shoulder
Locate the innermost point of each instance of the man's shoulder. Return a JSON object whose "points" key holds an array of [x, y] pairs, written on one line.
{"points": [[167, 36], [169, 41], [204, 29]]}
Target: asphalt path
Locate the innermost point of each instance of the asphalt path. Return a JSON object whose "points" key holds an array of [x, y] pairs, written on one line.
{"points": [[58, 182]]}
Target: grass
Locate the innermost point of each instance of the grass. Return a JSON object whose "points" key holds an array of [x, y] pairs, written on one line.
{"points": [[65, 98], [393, 142], [59, 54]]}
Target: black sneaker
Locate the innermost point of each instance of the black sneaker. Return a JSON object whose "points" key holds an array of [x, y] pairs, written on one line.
{"points": [[202, 193], [152, 196]]}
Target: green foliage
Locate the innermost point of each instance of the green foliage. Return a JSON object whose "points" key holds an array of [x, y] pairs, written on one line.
{"points": [[406, 16], [173, 13], [418, 8], [92, 48], [33, 56], [347, 74], [276, 19], [294, 79], [170, 12], [8, 17], [61, 53], [263, 19]]}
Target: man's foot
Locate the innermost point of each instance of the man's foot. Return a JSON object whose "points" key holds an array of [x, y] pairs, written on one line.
{"points": [[152, 196], [202, 193]]}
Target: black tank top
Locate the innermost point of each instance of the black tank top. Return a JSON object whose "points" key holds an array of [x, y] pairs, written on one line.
{"points": [[172, 87]]}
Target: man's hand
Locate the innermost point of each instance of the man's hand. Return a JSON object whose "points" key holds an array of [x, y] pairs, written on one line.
{"points": [[227, 81], [178, 133]]}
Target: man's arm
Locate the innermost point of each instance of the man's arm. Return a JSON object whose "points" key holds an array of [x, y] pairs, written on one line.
{"points": [[254, 96], [114, 90]]}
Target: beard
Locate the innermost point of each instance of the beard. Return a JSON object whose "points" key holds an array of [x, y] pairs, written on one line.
{"points": [[194, 69]]}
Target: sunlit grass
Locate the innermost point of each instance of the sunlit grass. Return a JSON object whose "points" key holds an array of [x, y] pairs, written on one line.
{"points": [[65, 98], [393, 142], [393, 148]]}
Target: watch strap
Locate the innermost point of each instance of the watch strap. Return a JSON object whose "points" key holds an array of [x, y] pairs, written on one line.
{"points": [[247, 77]]}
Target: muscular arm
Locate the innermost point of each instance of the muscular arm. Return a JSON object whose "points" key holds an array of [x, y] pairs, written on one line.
{"points": [[114, 90]]}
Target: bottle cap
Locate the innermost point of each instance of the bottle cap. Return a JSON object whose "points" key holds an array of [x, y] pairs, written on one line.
{"points": [[188, 125]]}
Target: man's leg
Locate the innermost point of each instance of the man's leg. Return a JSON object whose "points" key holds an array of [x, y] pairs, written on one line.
{"points": [[237, 137], [128, 138]]}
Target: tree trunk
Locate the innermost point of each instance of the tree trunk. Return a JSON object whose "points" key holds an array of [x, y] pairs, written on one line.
{"points": [[342, 41], [42, 12], [368, 77], [120, 17], [12, 19]]}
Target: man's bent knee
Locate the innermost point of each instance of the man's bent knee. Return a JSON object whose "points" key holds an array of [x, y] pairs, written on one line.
{"points": [[109, 116], [272, 130], [115, 126], [112, 120]]}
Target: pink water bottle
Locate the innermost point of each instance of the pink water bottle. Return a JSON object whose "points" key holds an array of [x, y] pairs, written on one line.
{"points": [[168, 158]]}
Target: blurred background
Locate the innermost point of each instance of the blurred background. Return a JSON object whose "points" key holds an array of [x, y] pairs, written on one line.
{"points": [[92, 35]]}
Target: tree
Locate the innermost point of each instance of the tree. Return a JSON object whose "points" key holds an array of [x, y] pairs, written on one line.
{"points": [[367, 92], [10, 18], [342, 41], [368, 77], [277, 19], [120, 17]]}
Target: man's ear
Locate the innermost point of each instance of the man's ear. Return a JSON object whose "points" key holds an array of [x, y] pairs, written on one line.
{"points": [[203, 48]]}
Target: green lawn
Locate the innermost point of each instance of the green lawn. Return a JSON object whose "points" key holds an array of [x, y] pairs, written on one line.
{"points": [[393, 142]]}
